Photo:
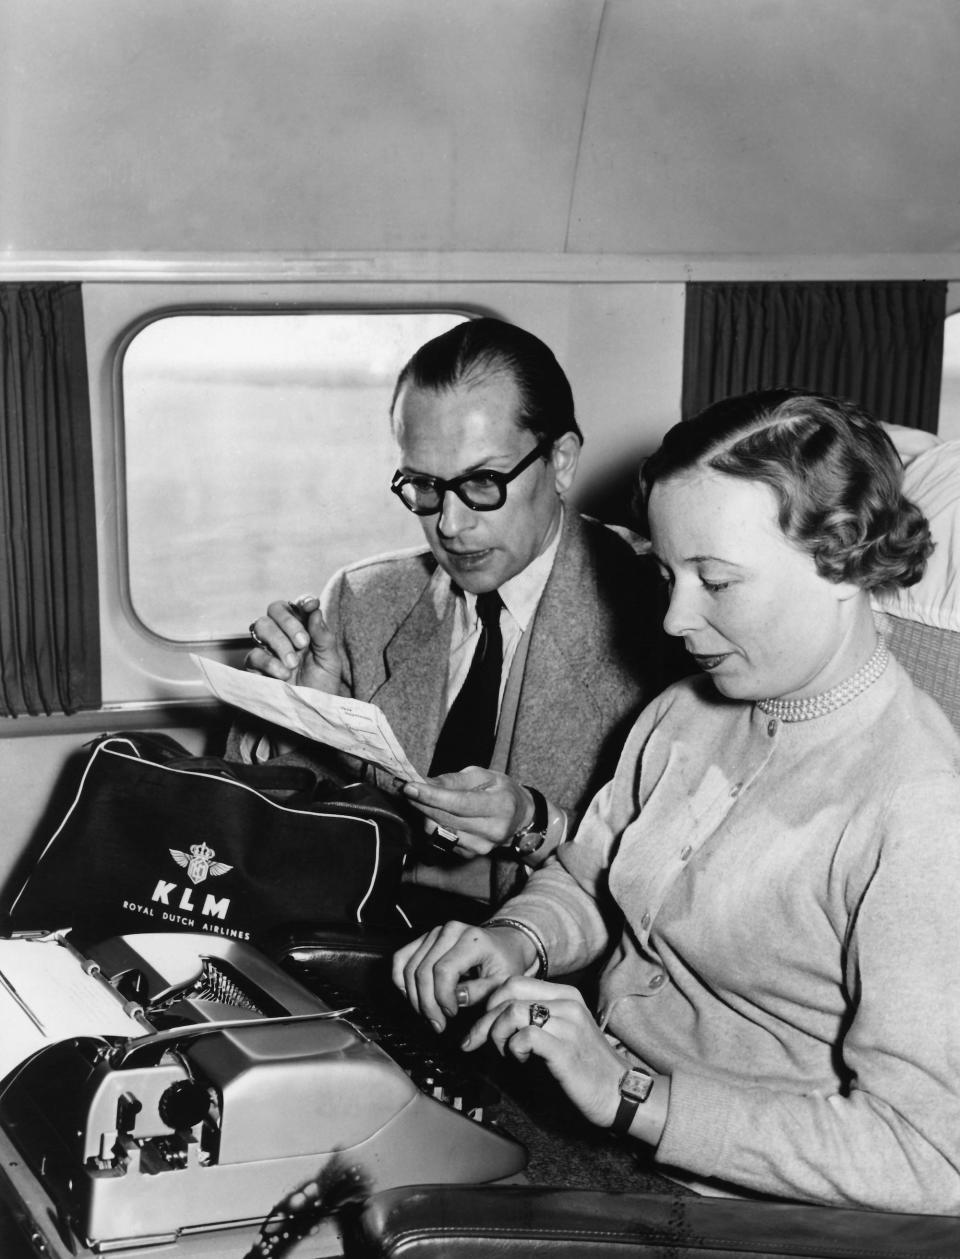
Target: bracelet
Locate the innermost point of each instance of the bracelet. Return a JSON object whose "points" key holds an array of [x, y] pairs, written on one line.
{"points": [[542, 967]]}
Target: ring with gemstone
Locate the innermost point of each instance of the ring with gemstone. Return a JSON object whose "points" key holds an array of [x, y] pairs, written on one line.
{"points": [[256, 637], [538, 1014]]}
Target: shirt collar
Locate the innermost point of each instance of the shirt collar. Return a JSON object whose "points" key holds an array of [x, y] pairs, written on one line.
{"points": [[522, 593]]}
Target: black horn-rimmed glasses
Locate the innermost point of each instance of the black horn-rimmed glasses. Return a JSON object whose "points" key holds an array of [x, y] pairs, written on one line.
{"points": [[482, 490]]}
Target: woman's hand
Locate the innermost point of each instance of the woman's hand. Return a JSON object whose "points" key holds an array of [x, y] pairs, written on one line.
{"points": [[295, 644], [576, 1052], [531, 1018], [483, 808], [457, 965]]}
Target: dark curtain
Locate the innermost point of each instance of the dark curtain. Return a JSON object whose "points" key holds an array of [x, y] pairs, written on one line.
{"points": [[49, 629], [876, 343]]}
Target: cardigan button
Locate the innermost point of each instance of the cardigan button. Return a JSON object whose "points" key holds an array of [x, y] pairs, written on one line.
{"points": [[657, 981]]}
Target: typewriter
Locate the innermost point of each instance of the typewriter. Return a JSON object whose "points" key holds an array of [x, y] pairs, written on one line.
{"points": [[237, 1086]]}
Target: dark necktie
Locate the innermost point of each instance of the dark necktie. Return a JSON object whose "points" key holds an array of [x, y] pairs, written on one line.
{"points": [[468, 733]]}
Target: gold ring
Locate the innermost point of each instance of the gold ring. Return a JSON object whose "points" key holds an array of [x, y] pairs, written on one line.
{"points": [[256, 637], [538, 1014]]}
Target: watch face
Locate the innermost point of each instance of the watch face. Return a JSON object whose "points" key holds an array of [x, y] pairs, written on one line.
{"points": [[529, 843], [636, 1086]]}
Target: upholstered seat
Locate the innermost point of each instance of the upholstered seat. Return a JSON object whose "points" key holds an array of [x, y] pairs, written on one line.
{"points": [[457, 1222], [930, 655], [922, 622]]}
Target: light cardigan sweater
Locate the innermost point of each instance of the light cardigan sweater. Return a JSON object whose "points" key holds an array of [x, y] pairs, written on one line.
{"points": [[785, 939]]}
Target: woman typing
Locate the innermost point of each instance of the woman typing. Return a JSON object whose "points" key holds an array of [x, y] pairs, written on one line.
{"points": [[772, 878]]}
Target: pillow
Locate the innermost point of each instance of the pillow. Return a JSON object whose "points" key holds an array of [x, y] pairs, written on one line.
{"points": [[909, 442], [932, 480]]}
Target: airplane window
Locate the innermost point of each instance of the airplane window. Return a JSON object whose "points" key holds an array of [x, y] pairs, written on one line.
{"points": [[258, 458], [948, 425]]}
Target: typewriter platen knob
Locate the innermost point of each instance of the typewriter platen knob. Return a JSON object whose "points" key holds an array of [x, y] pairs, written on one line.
{"points": [[184, 1104]]}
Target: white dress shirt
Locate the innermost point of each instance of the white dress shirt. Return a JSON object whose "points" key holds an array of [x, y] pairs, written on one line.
{"points": [[520, 596]]}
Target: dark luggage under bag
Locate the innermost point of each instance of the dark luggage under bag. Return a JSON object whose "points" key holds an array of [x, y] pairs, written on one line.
{"points": [[159, 840]]}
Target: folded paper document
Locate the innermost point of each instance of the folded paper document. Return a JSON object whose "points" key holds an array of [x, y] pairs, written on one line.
{"points": [[351, 725]]}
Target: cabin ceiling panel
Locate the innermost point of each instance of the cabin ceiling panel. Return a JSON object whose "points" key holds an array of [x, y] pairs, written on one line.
{"points": [[772, 127], [132, 125], [731, 128]]}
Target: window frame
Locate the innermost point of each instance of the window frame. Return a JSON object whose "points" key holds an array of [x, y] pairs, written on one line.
{"points": [[229, 644]]}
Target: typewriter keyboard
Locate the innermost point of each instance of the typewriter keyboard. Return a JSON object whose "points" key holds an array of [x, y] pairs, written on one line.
{"points": [[435, 1065]]}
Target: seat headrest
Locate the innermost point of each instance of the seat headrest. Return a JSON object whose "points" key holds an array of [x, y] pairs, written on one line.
{"points": [[932, 481]]}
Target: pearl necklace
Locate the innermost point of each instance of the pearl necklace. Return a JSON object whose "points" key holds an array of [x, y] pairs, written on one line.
{"points": [[819, 705]]}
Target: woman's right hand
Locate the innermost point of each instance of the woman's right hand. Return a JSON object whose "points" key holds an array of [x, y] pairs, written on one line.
{"points": [[458, 965], [295, 644]]}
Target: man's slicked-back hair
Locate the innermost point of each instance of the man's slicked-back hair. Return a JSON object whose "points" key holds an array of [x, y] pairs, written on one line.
{"points": [[835, 473], [482, 349]]}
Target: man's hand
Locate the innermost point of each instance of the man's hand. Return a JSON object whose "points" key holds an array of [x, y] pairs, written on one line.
{"points": [[456, 965], [295, 644], [483, 808]]}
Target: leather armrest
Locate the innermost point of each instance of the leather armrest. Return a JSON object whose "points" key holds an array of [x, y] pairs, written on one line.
{"points": [[361, 955], [358, 956], [507, 1222]]}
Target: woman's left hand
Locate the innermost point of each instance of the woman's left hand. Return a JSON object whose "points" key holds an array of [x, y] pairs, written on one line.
{"points": [[576, 1052], [481, 806]]}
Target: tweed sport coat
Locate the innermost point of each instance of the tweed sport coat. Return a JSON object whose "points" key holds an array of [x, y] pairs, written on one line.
{"points": [[595, 655]]}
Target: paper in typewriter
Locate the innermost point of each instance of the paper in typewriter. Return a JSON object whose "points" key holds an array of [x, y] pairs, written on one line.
{"points": [[351, 725], [47, 996]]}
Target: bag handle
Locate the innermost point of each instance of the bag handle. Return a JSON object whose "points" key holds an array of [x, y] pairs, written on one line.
{"points": [[296, 779], [296, 783]]}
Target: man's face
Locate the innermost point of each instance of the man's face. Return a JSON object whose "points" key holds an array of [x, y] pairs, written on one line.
{"points": [[446, 433]]}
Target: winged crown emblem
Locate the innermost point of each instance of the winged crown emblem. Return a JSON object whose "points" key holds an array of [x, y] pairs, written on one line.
{"points": [[199, 862]]}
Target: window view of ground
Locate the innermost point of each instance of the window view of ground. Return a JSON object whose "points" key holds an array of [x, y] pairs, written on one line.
{"points": [[258, 458]]}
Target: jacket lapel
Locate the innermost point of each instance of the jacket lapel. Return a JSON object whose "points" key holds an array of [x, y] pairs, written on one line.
{"points": [[560, 663], [412, 693]]}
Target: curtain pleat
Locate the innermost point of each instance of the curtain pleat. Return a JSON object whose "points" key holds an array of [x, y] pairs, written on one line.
{"points": [[877, 343], [49, 626]]}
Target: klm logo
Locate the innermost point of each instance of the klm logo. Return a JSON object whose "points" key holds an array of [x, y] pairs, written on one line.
{"points": [[199, 865], [199, 862], [211, 908]]}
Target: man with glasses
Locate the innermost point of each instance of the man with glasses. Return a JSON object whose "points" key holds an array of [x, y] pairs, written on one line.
{"points": [[510, 653]]}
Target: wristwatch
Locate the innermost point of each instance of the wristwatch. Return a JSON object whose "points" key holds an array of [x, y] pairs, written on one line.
{"points": [[635, 1087], [529, 839]]}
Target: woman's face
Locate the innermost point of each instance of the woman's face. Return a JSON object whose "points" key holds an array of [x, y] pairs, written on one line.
{"points": [[750, 605]]}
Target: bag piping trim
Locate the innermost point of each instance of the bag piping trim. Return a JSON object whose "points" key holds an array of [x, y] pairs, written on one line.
{"points": [[105, 746]]}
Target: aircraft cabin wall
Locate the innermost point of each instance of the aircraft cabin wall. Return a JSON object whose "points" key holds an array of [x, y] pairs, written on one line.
{"points": [[620, 344], [569, 165]]}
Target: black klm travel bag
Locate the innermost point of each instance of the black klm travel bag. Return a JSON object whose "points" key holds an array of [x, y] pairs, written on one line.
{"points": [[159, 840]]}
